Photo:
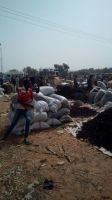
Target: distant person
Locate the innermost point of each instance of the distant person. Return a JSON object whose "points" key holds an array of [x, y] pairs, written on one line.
{"points": [[90, 82], [13, 82], [32, 79], [17, 81], [41, 81], [25, 103], [76, 85], [1, 81]]}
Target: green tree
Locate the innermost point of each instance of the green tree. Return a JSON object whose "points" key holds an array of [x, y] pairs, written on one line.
{"points": [[30, 71]]}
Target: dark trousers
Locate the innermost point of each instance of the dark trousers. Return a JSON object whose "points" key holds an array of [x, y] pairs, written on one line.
{"points": [[18, 114]]}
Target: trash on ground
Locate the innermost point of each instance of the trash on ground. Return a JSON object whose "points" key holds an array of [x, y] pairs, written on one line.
{"points": [[48, 184]]}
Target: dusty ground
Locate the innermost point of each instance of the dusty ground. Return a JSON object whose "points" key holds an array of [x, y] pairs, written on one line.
{"points": [[78, 170]]}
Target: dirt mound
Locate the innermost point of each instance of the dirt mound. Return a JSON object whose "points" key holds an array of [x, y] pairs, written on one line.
{"points": [[65, 90], [79, 109], [98, 130]]}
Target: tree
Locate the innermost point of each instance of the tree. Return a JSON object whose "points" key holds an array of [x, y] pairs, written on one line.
{"points": [[65, 67], [30, 71], [62, 69]]}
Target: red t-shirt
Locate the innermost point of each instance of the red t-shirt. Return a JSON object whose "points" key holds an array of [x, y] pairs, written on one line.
{"points": [[25, 97]]}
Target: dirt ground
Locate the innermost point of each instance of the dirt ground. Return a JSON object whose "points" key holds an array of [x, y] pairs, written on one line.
{"points": [[78, 170]]}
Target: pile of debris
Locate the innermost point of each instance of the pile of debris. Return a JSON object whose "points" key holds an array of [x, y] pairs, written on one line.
{"points": [[65, 90], [79, 109], [50, 109], [70, 92], [98, 131]]}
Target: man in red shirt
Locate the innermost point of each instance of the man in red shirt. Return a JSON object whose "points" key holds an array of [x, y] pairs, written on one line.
{"points": [[25, 103]]}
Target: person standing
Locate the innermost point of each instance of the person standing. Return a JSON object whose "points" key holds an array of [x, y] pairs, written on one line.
{"points": [[25, 103], [17, 81]]}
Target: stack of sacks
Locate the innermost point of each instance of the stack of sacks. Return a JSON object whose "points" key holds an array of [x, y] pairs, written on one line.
{"points": [[40, 116], [100, 96], [97, 93], [52, 110], [106, 97], [102, 85], [92, 94]]}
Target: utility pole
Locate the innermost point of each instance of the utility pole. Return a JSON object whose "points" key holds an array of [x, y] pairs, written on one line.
{"points": [[1, 59]]}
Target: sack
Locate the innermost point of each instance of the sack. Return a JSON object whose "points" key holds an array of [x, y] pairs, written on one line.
{"points": [[39, 126], [54, 105], [60, 113], [107, 106], [53, 122], [18, 130], [39, 96], [106, 97], [63, 100], [99, 96], [41, 106], [2, 91], [92, 94], [47, 90], [39, 116], [101, 85], [21, 121], [66, 119]]}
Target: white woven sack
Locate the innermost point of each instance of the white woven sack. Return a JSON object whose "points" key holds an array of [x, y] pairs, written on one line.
{"points": [[21, 121], [66, 118], [47, 90], [99, 96], [105, 107], [53, 122], [39, 96], [60, 113], [107, 97], [41, 106], [2, 89], [92, 94], [64, 101], [101, 85], [39, 126], [18, 130], [40, 116], [54, 104]]}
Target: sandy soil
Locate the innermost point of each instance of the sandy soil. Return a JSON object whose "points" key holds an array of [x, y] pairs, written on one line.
{"points": [[78, 170]]}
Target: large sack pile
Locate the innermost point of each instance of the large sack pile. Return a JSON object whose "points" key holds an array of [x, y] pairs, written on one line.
{"points": [[50, 109], [98, 131], [100, 96]]}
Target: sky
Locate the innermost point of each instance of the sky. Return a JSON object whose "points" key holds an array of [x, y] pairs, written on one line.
{"points": [[41, 33]]}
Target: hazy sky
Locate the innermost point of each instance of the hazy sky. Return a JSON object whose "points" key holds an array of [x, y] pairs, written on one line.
{"points": [[41, 33]]}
